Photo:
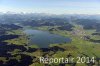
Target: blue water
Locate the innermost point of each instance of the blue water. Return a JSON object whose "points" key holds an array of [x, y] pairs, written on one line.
{"points": [[43, 38]]}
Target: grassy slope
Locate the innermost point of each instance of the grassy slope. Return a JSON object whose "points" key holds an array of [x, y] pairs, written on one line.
{"points": [[77, 47]]}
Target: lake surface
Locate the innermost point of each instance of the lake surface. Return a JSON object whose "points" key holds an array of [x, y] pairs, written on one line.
{"points": [[43, 38]]}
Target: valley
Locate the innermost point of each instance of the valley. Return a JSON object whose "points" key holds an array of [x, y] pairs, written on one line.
{"points": [[26, 37]]}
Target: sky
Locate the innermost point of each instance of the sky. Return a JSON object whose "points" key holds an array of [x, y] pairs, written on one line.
{"points": [[51, 6]]}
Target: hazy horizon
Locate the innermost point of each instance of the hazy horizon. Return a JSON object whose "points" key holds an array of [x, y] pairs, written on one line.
{"points": [[51, 6]]}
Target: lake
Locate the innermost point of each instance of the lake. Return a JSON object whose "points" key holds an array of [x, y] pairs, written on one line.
{"points": [[44, 38]]}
